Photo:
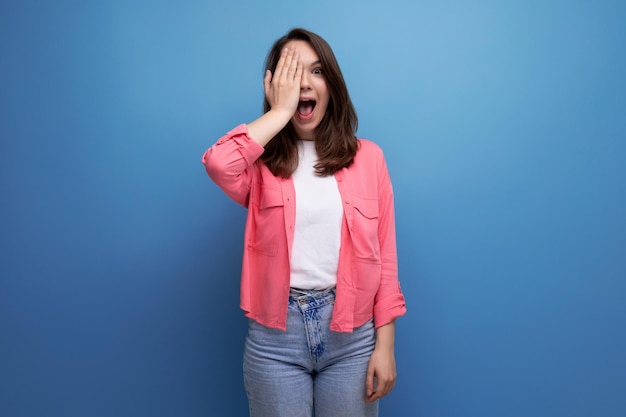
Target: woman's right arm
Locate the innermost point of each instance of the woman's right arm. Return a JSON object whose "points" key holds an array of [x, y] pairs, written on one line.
{"points": [[227, 161]]}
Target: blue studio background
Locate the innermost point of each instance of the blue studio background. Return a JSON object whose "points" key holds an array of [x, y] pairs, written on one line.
{"points": [[504, 127]]}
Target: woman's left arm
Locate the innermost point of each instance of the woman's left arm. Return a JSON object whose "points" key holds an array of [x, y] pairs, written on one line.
{"points": [[381, 371], [389, 301]]}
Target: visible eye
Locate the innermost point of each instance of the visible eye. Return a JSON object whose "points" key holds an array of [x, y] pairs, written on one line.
{"points": [[317, 71]]}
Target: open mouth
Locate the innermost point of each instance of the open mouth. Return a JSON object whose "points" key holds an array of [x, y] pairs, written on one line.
{"points": [[305, 107]]}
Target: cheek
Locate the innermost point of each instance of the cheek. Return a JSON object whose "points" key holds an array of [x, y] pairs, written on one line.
{"points": [[323, 99], [325, 105], [322, 90]]}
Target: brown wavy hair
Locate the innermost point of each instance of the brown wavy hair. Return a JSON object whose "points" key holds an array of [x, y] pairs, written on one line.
{"points": [[335, 140]]}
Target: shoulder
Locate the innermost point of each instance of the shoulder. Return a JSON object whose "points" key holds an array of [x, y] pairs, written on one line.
{"points": [[369, 150], [368, 145]]}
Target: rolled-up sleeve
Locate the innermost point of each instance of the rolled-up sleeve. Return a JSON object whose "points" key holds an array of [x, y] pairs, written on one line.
{"points": [[229, 163]]}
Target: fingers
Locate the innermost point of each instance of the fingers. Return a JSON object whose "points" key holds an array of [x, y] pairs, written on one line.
{"points": [[383, 388], [378, 383], [280, 64], [267, 78], [290, 62], [298, 75], [287, 65], [282, 88], [369, 382], [292, 65], [266, 85]]}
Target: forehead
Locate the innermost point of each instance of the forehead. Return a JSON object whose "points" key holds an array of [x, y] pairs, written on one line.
{"points": [[306, 51]]}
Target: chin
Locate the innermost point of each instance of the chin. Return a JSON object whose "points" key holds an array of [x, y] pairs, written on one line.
{"points": [[306, 133]]}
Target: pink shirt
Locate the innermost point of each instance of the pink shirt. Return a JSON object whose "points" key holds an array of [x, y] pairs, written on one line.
{"points": [[367, 275]]}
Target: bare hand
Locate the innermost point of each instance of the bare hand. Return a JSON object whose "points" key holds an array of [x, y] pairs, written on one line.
{"points": [[282, 89], [381, 374]]}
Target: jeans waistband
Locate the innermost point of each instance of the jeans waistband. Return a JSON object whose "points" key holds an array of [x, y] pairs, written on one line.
{"points": [[312, 298], [296, 293]]}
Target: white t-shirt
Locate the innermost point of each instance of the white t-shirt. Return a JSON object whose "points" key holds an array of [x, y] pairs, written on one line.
{"points": [[317, 234]]}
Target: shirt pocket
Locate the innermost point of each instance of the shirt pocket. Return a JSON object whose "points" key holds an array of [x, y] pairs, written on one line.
{"points": [[365, 229], [266, 221]]}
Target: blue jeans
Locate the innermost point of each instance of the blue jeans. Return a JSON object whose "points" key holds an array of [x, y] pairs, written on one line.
{"points": [[308, 367]]}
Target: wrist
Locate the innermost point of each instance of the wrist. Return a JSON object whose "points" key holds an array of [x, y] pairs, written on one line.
{"points": [[282, 114], [385, 337]]}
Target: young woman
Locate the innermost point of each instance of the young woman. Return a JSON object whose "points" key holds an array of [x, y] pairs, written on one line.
{"points": [[319, 278]]}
